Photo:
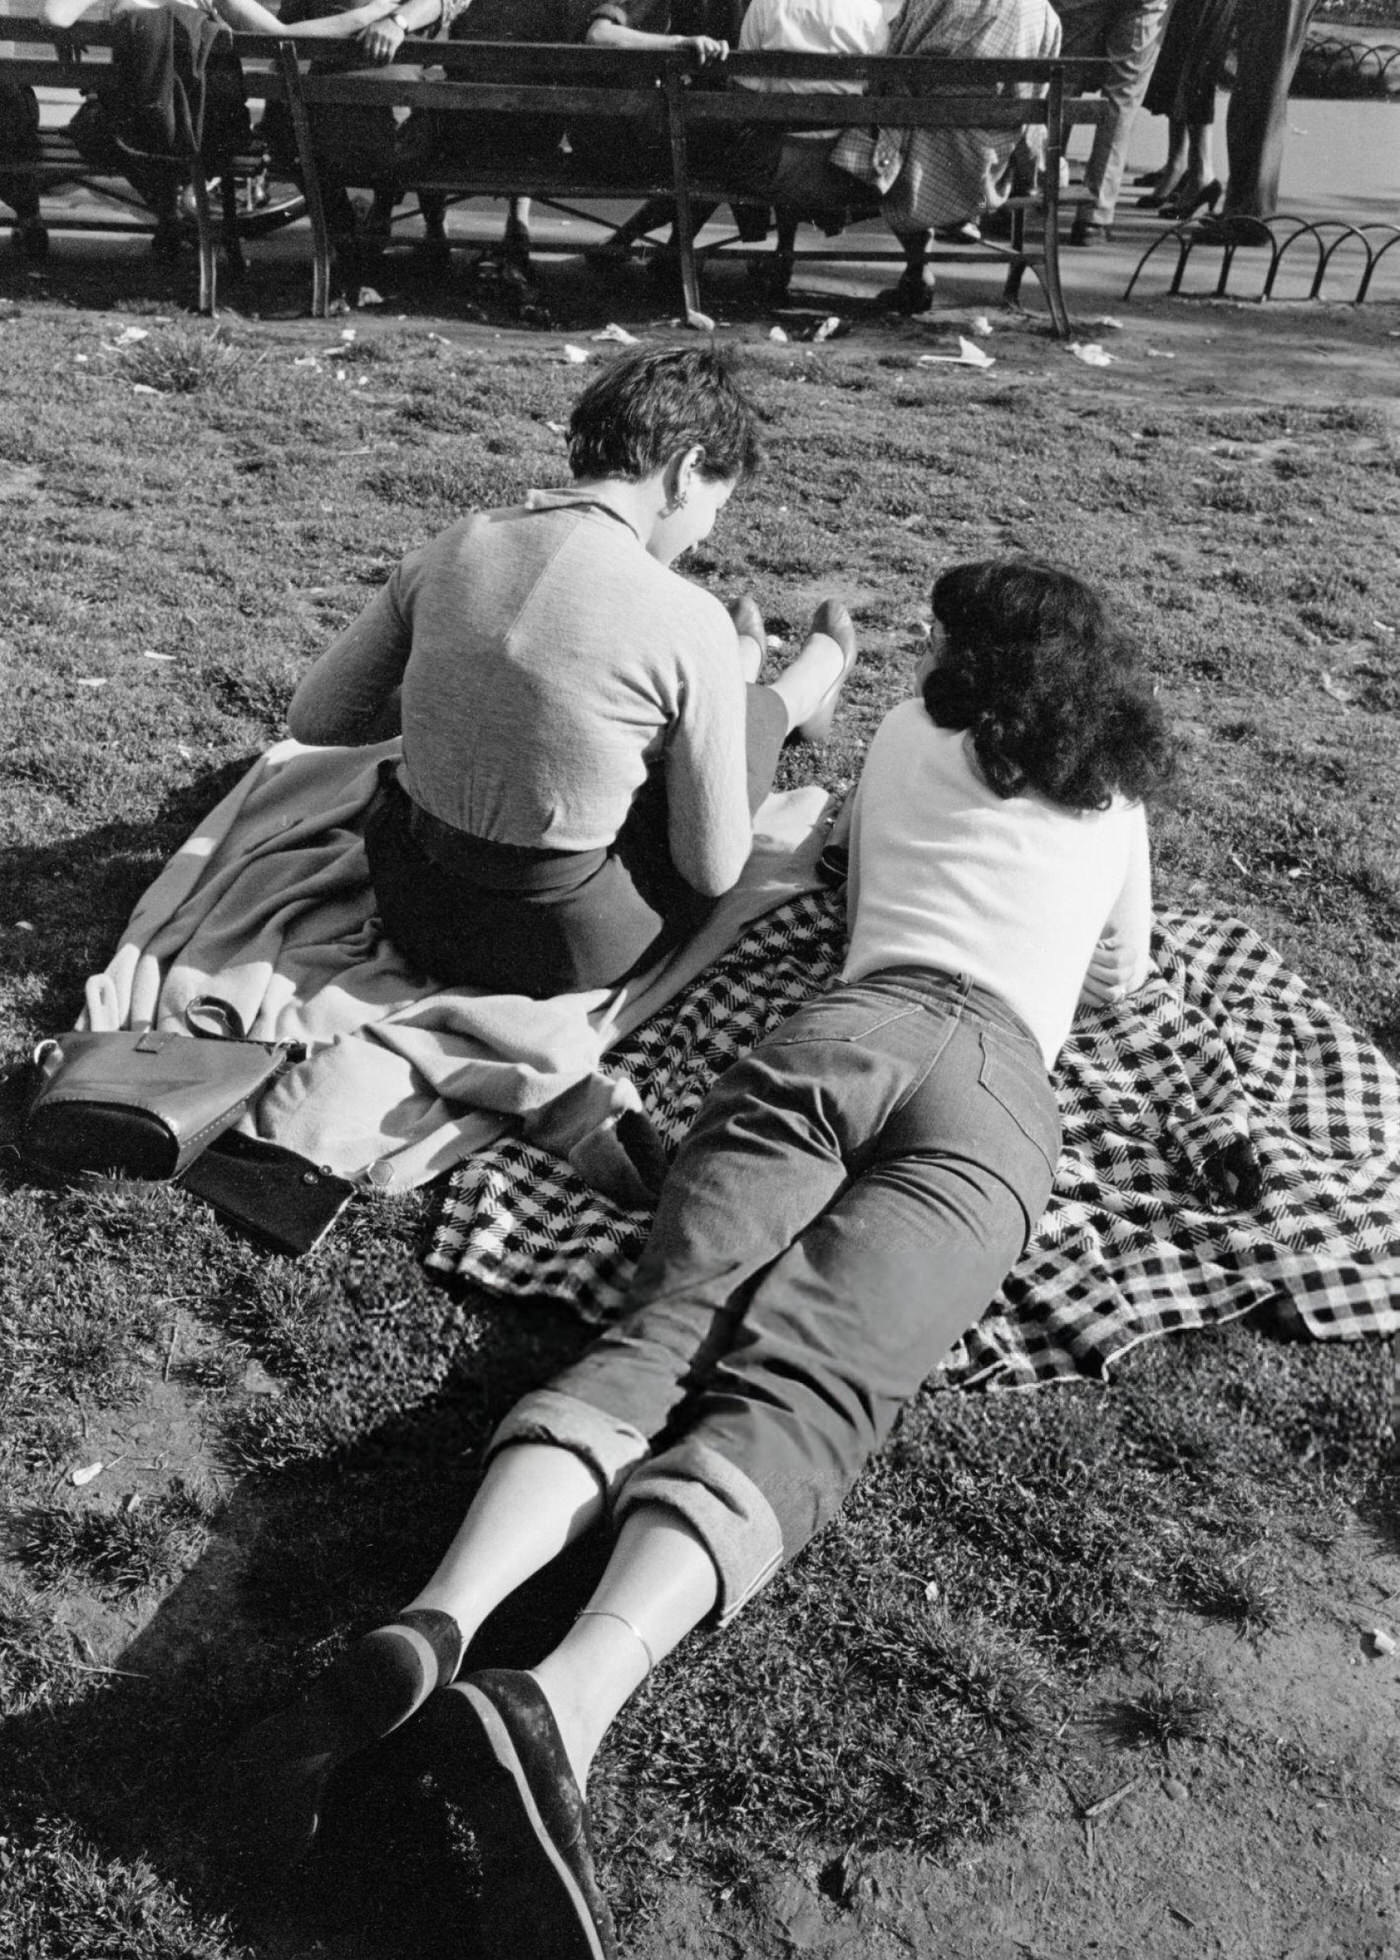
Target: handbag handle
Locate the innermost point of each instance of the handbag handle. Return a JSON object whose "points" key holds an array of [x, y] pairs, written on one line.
{"points": [[214, 1019]]}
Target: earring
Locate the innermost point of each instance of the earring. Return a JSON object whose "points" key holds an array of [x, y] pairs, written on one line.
{"points": [[677, 502]]}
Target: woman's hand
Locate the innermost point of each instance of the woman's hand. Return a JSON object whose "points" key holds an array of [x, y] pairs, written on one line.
{"points": [[382, 39], [1110, 977], [705, 49]]}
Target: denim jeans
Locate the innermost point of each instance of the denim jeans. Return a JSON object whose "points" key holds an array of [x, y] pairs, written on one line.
{"points": [[850, 1198], [1128, 33]]}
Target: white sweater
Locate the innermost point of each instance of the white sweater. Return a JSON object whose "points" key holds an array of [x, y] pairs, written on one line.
{"points": [[1012, 891]]}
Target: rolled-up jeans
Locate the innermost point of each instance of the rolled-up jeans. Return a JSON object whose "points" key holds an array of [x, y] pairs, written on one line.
{"points": [[848, 1202]]}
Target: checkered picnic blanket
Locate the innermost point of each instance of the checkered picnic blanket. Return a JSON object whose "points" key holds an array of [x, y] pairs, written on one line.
{"points": [[1229, 1143]]}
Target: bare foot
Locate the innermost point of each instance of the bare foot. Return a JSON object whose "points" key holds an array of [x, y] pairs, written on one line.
{"points": [[753, 635]]}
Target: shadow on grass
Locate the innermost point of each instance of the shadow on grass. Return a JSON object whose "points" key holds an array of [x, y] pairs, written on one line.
{"points": [[77, 893], [297, 1561], [569, 292]]}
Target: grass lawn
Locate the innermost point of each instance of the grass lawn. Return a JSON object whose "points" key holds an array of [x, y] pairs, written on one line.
{"points": [[1059, 1645]]}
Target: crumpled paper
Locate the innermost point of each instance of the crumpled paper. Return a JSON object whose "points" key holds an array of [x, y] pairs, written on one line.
{"points": [[969, 354]]}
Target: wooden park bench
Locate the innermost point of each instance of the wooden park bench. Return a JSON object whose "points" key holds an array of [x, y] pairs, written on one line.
{"points": [[72, 62], [568, 82]]}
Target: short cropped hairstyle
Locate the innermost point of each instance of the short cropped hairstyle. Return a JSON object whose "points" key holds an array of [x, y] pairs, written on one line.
{"points": [[1047, 683], [643, 407]]}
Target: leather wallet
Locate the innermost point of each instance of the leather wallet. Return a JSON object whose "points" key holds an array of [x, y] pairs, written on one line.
{"points": [[281, 1199]]}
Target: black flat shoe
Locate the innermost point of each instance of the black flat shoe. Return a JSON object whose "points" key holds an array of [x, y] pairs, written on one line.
{"points": [[270, 1788], [1085, 232], [912, 295], [31, 240], [497, 1755]]}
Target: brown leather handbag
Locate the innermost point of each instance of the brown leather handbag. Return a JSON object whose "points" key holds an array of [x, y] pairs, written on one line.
{"points": [[145, 1105]]}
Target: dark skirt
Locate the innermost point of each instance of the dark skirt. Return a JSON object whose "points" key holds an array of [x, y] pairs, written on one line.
{"points": [[1191, 62], [515, 920]]}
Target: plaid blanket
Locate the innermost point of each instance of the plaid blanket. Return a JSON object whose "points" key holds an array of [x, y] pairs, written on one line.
{"points": [[1229, 1143]]}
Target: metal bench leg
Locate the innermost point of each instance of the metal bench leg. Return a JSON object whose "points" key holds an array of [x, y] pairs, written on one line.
{"points": [[1048, 269], [208, 256], [233, 244], [310, 180], [685, 217]]}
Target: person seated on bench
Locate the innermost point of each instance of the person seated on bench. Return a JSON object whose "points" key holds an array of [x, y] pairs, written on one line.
{"points": [[355, 143], [581, 755], [945, 179], [172, 72], [434, 142], [19, 143], [849, 1200], [766, 165], [617, 145]]}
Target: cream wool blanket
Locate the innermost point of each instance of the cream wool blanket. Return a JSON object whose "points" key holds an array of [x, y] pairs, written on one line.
{"points": [[268, 906]]}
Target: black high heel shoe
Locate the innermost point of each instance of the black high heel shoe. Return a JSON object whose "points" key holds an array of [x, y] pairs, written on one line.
{"points": [[1185, 204]]}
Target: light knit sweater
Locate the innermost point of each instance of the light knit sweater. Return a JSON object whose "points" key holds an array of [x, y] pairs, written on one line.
{"points": [[547, 662], [1012, 891]]}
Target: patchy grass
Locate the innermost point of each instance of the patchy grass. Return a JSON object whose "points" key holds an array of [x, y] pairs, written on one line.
{"points": [[287, 1443], [1171, 1708], [130, 1549]]}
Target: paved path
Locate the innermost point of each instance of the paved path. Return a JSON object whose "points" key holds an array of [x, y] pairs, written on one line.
{"points": [[1343, 162]]}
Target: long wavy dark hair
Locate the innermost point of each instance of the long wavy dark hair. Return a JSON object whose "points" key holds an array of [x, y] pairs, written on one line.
{"points": [[1047, 684]]}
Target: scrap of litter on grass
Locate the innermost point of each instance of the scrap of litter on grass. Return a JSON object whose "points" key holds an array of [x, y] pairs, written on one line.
{"points": [[1087, 1812], [1382, 1642], [969, 354], [612, 331], [576, 356], [1330, 686], [369, 297], [1090, 352], [1108, 323], [149, 654], [143, 388], [85, 1473], [91, 680], [128, 337]]}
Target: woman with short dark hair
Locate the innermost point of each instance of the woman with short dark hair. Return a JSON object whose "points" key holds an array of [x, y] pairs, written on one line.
{"points": [[584, 741]]}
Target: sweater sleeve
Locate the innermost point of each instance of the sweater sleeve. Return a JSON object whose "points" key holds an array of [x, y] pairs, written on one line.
{"points": [[350, 695], [709, 829]]}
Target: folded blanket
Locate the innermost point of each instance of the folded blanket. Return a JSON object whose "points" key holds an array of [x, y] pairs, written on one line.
{"points": [[1229, 1144], [269, 907]]}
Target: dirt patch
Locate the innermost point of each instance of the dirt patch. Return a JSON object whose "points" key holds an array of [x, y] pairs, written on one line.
{"points": [[1274, 1839]]}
